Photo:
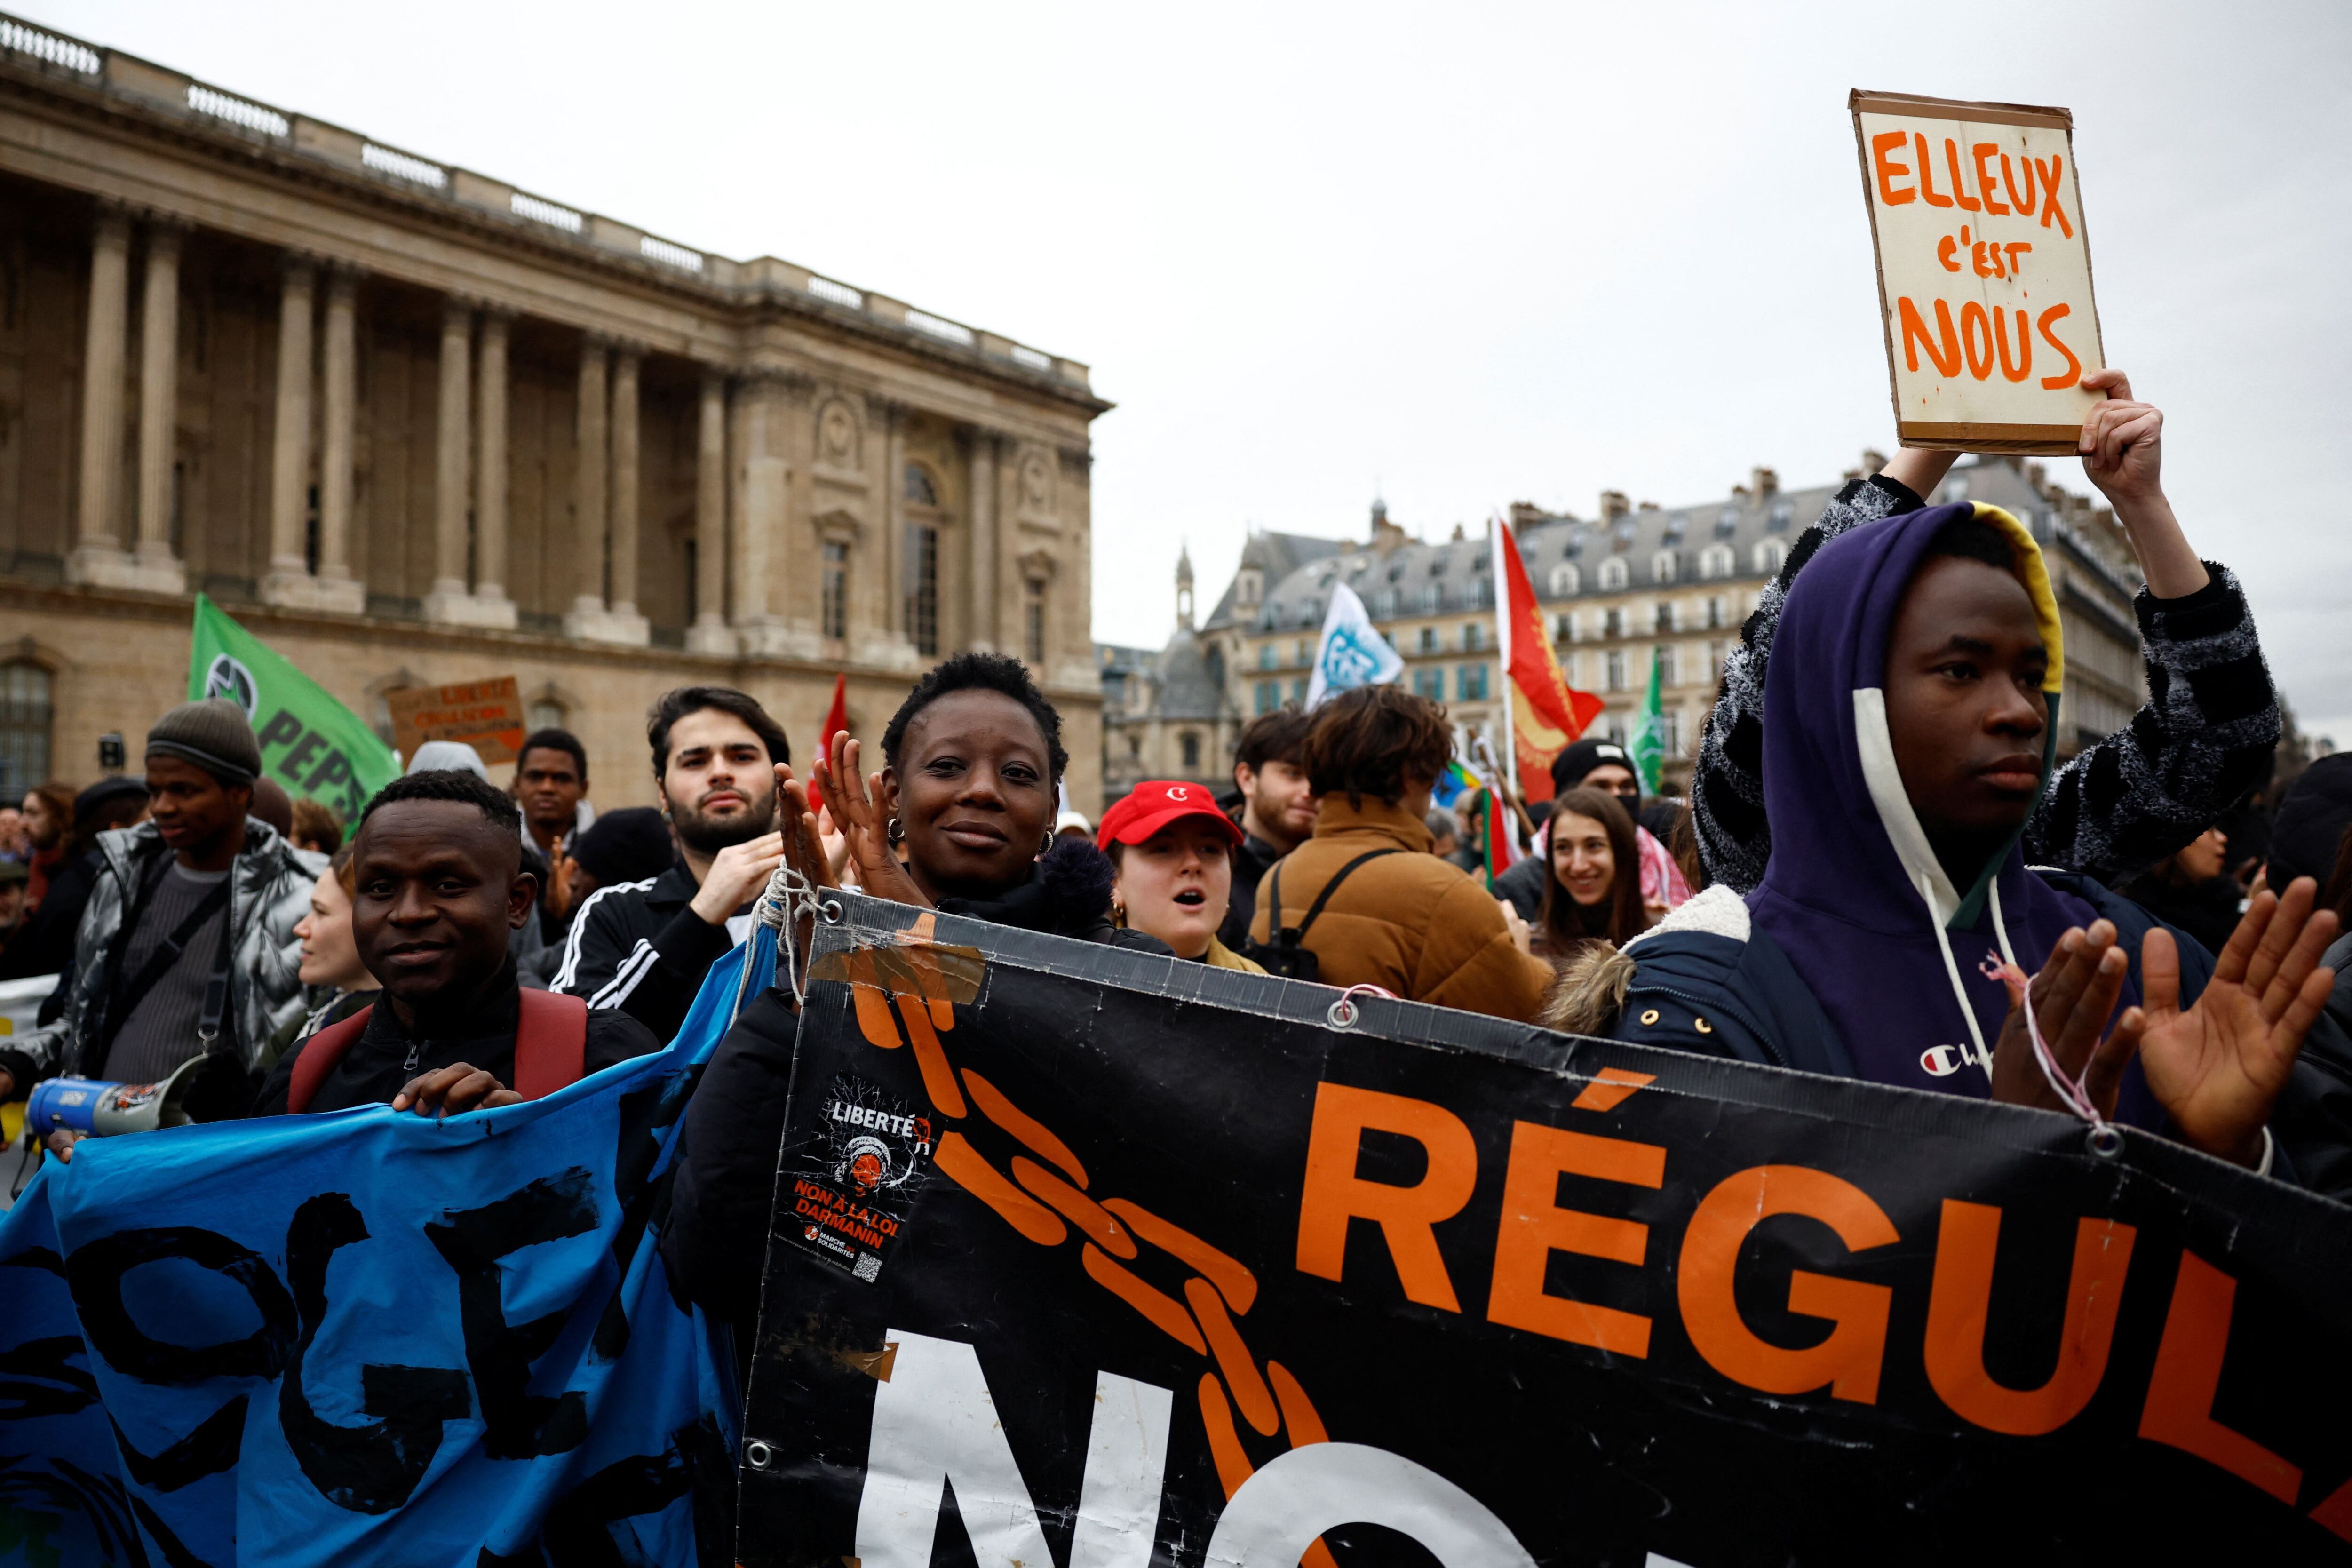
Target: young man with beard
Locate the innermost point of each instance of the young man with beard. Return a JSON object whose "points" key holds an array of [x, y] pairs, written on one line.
{"points": [[436, 884], [1277, 810], [644, 947]]}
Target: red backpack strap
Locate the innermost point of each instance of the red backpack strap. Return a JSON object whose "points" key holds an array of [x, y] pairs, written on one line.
{"points": [[552, 1043], [319, 1054]]}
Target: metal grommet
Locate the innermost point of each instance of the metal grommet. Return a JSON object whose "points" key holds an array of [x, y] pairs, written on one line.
{"points": [[1342, 1013], [1649, 1016], [757, 1455], [2105, 1142], [1702, 1026], [833, 910]]}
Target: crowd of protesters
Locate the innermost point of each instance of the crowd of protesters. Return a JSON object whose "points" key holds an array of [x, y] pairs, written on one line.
{"points": [[1875, 882]]}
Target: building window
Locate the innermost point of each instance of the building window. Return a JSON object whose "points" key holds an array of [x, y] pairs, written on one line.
{"points": [[1564, 629], [1432, 598], [1664, 618], [1428, 640], [1662, 566], [1299, 691], [834, 608], [1429, 683], [1134, 747], [1715, 609], [1033, 624], [1714, 662], [1616, 670], [1716, 561], [1268, 696], [1669, 666], [1670, 732], [1566, 580], [24, 725], [1767, 555], [1614, 624], [1470, 683], [923, 586], [1473, 636], [1613, 574], [1384, 604], [921, 490], [1265, 656], [1191, 744], [1304, 653], [544, 713]]}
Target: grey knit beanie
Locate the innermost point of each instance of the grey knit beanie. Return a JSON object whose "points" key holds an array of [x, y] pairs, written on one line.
{"points": [[213, 734]]}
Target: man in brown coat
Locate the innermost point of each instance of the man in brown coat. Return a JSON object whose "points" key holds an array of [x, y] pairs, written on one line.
{"points": [[1404, 921]]}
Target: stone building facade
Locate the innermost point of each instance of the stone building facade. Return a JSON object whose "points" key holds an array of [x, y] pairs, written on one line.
{"points": [[411, 424], [1633, 581]]}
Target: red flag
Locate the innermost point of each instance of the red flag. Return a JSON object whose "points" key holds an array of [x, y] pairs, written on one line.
{"points": [[1546, 713], [836, 718]]}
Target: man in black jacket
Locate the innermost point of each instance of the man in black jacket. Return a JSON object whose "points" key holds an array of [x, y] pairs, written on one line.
{"points": [[1277, 810], [644, 947], [437, 883]]}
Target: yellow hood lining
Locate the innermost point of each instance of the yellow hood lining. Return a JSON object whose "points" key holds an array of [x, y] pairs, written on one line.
{"points": [[2035, 574]]}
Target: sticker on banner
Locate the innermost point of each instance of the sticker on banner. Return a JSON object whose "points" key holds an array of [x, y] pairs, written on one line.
{"points": [[855, 1186]]}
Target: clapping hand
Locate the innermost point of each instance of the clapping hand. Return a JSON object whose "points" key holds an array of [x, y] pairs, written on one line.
{"points": [[858, 815]]}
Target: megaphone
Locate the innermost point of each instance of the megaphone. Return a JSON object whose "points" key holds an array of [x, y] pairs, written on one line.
{"points": [[100, 1109]]}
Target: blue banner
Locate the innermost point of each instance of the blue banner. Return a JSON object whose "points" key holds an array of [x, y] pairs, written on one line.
{"points": [[369, 1337]]}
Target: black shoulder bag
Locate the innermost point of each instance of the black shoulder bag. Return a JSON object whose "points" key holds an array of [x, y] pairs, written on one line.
{"points": [[1287, 954]]}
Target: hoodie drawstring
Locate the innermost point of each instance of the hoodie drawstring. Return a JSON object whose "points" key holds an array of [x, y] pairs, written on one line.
{"points": [[1936, 917]]}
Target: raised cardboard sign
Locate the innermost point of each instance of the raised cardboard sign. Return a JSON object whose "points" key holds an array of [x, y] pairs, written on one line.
{"points": [[485, 714], [1984, 271]]}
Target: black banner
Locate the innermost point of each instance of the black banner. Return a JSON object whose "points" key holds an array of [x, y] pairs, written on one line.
{"points": [[1149, 1263]]}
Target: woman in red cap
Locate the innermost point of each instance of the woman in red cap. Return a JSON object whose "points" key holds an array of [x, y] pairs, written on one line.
{"points": [[1174, 853]]}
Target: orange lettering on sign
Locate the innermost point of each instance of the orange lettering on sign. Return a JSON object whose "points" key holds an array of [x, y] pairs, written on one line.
{"points": [[1974, 325], [2024, 204], [2050, 207], [1992, 203], [1959, 1304], [2179, 1409], [1332, 1194], [2024, 366], [1927, 180], [1880, 146], [1960, 186], [1535, 1227], [2073, 366], [1848, 1360], [1914, 337]]}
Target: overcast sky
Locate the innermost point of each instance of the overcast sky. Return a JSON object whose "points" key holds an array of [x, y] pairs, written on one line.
{"points": [[1462, 255]]}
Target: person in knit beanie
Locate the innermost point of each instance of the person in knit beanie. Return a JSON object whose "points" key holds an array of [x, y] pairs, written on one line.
{"points": [[186, 946]]}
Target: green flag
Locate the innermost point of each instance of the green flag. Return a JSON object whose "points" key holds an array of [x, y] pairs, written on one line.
{"points": [[1648, 746], [310, 743]]}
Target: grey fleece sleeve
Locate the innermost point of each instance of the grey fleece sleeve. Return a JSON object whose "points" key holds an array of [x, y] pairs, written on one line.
{"points": [[1728, 787], [2203, 739], [2211, 718]]}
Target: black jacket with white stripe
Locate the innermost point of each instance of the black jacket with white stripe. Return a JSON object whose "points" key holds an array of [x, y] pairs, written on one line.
{"points": [[637, 946]]}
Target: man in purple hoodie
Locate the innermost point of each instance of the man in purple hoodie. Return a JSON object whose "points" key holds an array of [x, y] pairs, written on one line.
{"points": [[1912, 694]]}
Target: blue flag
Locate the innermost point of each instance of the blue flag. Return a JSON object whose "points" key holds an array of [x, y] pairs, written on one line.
{"points": [[1353, 652], [369, 1337]]}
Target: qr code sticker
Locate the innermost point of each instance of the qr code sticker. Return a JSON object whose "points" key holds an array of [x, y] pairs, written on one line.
{"points": [[868, 1267]]}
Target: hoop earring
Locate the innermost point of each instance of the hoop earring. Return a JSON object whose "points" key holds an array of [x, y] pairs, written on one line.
{"points": [[1045, 844], [896, 832]]}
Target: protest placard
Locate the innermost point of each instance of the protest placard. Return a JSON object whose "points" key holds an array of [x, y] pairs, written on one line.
{"points": [[1984, 271], [1099, 1260], [319, 749], [485, 714]]}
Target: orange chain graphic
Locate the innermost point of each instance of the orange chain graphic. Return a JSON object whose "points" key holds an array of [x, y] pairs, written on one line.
{"points": [[905, 995]]}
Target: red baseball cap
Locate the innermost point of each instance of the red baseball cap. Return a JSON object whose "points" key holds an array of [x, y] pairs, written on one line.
{"points": [[1156, 803]]}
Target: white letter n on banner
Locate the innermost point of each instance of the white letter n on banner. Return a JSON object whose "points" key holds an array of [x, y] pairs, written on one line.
{"points": [[935, 1423]]}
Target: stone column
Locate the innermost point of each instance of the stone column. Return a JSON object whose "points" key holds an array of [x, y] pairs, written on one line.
{"points": [[99, 556], [337, 587], [451, 600], [981, 631], [621, 622], [709, 633], [881, 636], [289, 580], [159, 407], [493, 607], [588, 506], [760, 497]]}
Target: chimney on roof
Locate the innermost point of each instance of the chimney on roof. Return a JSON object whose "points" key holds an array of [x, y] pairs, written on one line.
{"points": [[1386, 535], [1526, 514], [1872, 461], [1613, 505], [1647, 506], [1764, 482], [1458, 534]]}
